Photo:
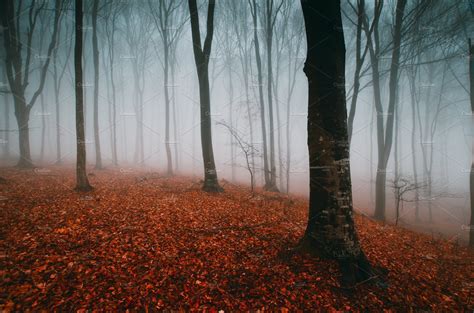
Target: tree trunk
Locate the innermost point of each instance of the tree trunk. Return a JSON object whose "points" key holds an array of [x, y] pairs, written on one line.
{"points": [[358, 67], [412, 78], [231, 121], [471, 179], [58, 110], [269, 28], [22, 113], [167, 103], [330, 231], [6, 136], [266, 171], [384, 150], [95, 54], [82, 183], [43, 126], [175, 122], [201, 57]]}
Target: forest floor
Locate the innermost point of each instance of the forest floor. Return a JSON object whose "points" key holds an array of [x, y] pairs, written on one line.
{"points": [[144, 240]]}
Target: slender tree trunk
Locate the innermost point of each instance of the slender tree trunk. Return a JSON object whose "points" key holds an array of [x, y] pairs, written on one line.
{"points": [[167, 104], [6, 136], [384, 150], [269, 40], [249, 114], [260, 93], [111, 41], [471, 179], [175, 121], [201, 57], [95, 53], [231, 121], [58, 110], [358, 67], [412, 78], [330, 231], [82, 183], [43, 126]]}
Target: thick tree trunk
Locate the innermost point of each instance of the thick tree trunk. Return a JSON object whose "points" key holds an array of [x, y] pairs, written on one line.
{"points": [[82, 183], [22, 113], [330, 231], [201, 57]]}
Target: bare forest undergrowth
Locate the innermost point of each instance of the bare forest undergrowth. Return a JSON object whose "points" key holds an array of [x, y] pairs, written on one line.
{"points": [[141, 240]]}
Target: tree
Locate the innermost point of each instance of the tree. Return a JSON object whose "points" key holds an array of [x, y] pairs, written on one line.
{"points": [[359, 61], [471, 179], [254, 13], [384, 132], [95, 56], [57, 81], [247, 149], [401, 187], [270, 15], [138, 30], [18, 67], [82, 183], [330, 230], [201, 57], [167, 14], [110, 27], [239, 12]]}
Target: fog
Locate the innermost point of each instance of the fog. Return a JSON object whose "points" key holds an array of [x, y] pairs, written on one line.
{"points": [[433, 128]]}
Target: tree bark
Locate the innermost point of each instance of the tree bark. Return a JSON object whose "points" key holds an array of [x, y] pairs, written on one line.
{"points": [[82, 183], [330, 230], [201, 57]]}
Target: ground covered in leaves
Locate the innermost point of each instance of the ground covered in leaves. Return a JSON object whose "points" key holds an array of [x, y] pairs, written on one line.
{"points": [[140, 240]]}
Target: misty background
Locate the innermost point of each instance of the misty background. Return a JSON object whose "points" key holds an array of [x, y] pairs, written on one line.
{"points": [[433, 131]]}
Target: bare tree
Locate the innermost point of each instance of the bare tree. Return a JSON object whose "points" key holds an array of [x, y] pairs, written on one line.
{"points": [[247, 149], [58, 75], [82, 182], [169, 22], [402, 186], [271, 11], [18, 67], [95, 56], [201, 57]]}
